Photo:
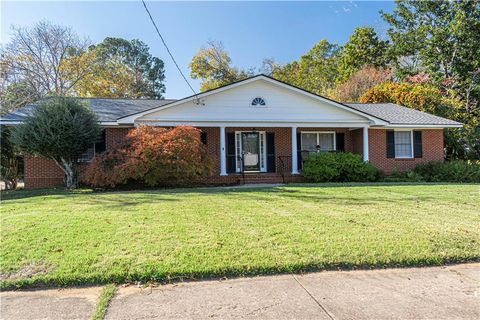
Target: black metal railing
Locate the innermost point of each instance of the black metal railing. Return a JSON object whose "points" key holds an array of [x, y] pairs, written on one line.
{"points": [[283, 165], [242, 167]]}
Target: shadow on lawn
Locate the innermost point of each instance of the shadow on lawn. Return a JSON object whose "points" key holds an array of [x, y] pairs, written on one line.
{"points": [[285, 189]]}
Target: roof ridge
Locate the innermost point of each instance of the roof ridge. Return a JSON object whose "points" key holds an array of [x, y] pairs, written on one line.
{"points": [[104, 98]]}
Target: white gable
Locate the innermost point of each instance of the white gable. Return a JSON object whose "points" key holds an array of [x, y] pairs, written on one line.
{"points": [[233, 104]]}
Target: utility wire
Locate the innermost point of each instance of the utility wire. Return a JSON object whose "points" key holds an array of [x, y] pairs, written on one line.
{"points": [[168, 50]]}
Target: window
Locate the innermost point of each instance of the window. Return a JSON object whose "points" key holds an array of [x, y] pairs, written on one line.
{"points": [[98, 148], [318, 141], [88, 155], [258, 102], [403, 144]]}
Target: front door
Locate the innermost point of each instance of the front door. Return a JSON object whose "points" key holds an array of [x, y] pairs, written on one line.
{"points": [[251, 151]]}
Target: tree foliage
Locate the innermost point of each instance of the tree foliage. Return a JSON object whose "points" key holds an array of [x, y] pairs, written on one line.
{"points": [[363, 48], [16, 95], [124, 69], [61, 129], [463, 143], [360, 82], [316, 71], [213, 66], [442, 38], [154, 156], [8, 163], [34, 62], [52, 60]]}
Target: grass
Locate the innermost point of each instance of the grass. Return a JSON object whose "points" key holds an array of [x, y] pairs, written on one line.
{"points": [[68, 238], [107, 294]]}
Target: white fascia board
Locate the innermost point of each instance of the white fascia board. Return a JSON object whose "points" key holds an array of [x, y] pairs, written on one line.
{"points": [[374, 120], [10, 122], [420, 126], [114, 124], [101, 123], [248, 123]]}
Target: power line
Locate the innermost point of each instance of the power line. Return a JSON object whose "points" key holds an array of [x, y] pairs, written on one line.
{"points": [[168, 50]]}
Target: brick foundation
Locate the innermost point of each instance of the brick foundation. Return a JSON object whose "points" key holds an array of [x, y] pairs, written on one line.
{"points": [[44, 173]]}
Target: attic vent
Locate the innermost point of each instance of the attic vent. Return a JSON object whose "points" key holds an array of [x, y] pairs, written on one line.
{"points": [[258, 102]]}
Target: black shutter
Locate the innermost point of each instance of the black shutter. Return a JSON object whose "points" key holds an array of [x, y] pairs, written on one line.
{"points": [[100, 145], [390, 144], [299, 151], [417, 144], [340, 141], [230, 152], [270, 152], [203, 137]]}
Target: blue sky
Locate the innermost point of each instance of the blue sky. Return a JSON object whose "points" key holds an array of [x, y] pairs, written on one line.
{"points": [[250, 31]]}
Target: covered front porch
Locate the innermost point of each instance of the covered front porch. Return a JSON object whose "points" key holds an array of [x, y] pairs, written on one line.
{"points": [[278, 151]]}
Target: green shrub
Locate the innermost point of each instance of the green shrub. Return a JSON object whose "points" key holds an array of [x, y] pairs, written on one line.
{"points": [[338, 167], [450, 171], [402, 176]]}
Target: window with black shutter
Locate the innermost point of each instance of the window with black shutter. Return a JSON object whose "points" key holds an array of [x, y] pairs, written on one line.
{"points": [[340, 141], [299, 151], [417, 144], [203, 137], [270, 152], [231, 161], [390, 144]]}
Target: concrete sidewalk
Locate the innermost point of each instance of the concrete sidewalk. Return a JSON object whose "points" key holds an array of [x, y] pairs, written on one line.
{"points": [[451, 292]]}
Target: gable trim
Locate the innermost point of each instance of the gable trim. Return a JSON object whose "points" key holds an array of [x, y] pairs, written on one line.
{"points": [[130, 119]]}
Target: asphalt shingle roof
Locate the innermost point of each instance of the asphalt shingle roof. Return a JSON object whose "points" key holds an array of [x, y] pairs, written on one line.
{"points": [[105, 109], [395, 114], [113, 109]]}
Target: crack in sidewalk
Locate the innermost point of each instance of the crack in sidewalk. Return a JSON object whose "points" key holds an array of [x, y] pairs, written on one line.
{"points": [[313, 298]]}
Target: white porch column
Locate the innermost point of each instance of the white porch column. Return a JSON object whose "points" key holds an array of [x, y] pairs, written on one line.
{"points": [[294, 151], [365, 144], [223, 153]]}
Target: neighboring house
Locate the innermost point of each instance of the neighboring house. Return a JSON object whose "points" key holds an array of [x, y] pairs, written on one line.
{"points": [[260, 129]]}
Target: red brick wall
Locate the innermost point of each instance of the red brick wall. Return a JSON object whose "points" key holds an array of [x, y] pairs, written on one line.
{"points": [[432, 145], [357, 141], [115, 136], [43, 173]]}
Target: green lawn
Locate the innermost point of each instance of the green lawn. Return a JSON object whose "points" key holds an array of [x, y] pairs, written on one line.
{"points": [[65, 238]]}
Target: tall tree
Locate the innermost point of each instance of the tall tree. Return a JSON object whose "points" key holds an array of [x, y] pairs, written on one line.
{"points": [[363, 48], [442, 38], [61, 129], [124, 69], [316, 71], [36, 56], [213, 66]]}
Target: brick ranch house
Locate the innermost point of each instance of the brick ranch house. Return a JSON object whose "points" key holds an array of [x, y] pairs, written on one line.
{"points": [[259, 130]]}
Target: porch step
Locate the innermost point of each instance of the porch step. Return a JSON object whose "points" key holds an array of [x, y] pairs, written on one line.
{"points": [[263, 178]]}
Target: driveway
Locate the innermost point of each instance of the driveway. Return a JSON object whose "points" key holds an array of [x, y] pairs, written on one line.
{"points": [[416, 293]]}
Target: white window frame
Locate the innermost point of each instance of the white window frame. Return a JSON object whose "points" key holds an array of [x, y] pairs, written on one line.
{"points": [[411, 143], [334, 133], [239, 150], [84, 160]]}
